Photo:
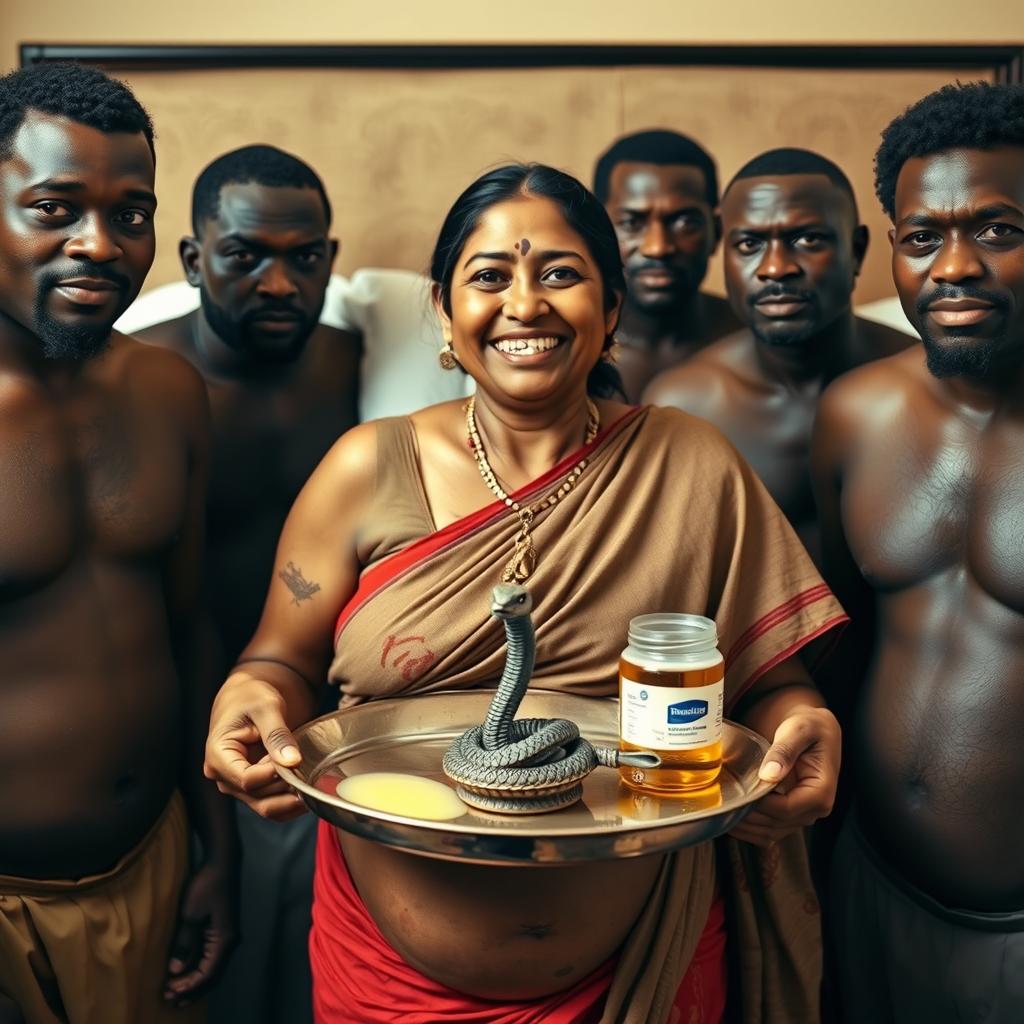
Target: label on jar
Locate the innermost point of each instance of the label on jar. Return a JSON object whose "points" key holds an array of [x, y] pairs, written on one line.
{"points": [[671, 717]]}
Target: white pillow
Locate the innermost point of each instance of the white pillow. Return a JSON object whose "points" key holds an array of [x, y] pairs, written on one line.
{"points": [[391, 310], [167, 302], [888, 312]]}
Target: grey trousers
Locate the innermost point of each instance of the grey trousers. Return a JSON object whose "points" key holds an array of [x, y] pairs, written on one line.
{"points": [[904, 958], [268, 979]]}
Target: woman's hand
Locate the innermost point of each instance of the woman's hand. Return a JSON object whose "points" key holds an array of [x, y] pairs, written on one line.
{"points": [[250, 734], [273, 687], [804, 762]]}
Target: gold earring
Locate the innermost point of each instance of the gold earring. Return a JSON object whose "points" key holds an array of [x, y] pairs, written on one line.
{"points": [[447, 357]]}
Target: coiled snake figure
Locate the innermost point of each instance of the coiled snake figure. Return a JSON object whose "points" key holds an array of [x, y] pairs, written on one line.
{"points": [[531, 765]]}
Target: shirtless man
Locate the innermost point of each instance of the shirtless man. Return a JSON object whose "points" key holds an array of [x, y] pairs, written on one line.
{"points": [[106, 679], [282, 386], [919, 470], [282, 390], [793, 249], [661, 191]]}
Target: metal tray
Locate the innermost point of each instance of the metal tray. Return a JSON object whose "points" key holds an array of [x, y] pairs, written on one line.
{"points": [[411, 735]]}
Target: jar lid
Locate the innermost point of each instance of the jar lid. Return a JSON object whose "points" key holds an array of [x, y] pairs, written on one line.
{"points": [[676, 631]]}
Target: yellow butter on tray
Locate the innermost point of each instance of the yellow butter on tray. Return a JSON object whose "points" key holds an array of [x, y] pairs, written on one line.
{"points": [[407, 795]]}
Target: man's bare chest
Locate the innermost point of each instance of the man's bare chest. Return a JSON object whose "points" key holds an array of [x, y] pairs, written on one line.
{"points": [[914, 511], [775, 438], [102, 480], [266, 444]]}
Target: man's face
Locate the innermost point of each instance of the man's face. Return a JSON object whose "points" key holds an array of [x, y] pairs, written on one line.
{"points": [[958, 257], [666, 232], [792, 252], [262, 267], [76, 231]]}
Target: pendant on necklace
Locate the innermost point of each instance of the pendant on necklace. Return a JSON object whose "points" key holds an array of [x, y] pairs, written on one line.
{"points": [[520, 566]]}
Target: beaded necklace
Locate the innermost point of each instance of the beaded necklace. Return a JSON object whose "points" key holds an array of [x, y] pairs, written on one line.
{"points": [[524, 555]]}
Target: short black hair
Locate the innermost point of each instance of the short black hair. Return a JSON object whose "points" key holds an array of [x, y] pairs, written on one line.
{"points": [[70, 90], [662, 148], [975, 115], [256, 165], [780, 162]]}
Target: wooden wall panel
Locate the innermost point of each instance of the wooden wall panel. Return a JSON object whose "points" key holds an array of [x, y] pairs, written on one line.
{"points": [[395, 147]]}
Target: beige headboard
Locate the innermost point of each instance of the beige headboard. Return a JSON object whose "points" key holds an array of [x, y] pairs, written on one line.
{"points": [[395, 146]]}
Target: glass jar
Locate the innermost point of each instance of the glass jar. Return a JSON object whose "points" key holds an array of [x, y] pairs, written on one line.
{"points": [[671, 692]]}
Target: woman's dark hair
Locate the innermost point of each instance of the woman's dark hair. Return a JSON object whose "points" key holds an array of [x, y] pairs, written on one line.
{"points": [[582, 212]]}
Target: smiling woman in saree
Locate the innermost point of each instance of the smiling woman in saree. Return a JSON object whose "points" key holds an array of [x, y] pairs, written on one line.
{"points": [[607, 511]]}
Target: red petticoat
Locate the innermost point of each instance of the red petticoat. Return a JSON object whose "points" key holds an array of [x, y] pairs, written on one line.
{"points": [[359, 979]]}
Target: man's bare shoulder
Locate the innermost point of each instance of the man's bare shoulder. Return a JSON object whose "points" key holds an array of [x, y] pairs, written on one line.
{"points": [[165, 378], [23, 398], [722, 321], [335, 350], [700, 382], [174, 334], [877, 341], [872, 395], [337, 336]]}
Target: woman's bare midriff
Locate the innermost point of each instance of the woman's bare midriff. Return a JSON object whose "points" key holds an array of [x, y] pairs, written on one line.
{"points": [[500, 932]]}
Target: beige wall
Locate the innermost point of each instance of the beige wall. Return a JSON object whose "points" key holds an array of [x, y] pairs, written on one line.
{"points": [[466, 21], [395, 147]]}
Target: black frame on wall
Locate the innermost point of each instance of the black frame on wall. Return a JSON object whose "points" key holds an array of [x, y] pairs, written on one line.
{"points": [[1005, 62]]}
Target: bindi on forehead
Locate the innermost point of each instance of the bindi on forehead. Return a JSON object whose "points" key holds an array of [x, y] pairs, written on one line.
{"points": [[523, 246]]}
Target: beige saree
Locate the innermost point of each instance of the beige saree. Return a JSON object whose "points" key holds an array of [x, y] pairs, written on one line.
{"points": [[666, 517]]}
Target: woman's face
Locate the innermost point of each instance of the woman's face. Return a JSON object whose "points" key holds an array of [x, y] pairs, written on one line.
{"points": [[528, 319]]}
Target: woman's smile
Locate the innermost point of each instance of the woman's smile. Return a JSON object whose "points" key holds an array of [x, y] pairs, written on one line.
{"points": [[528, 347], [537, 307]]}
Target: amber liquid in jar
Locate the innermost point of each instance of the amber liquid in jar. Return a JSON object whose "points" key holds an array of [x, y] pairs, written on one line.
{"points": [[671, 689]]}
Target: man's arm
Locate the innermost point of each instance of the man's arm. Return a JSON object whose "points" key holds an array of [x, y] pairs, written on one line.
{"points": [[835, 434], [206, 929]]}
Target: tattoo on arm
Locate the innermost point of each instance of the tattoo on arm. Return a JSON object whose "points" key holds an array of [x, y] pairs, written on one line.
{"points": [[301, 588]]}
